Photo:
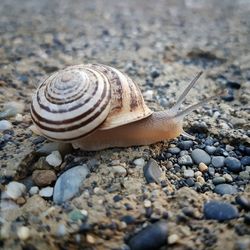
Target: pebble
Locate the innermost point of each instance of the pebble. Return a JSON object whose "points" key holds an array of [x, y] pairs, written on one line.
{"points": [[200, 180], [54, 159], [218, 161], [34, 190], [173, 238], [140, 162], [68, 184], [46, 192], [23, 233], [76, 215], [185, 145], [43, 178], [210, 149], [203, 167], [245, 160], [220, 211], [152, 172], [5, 125], [244, 175], [185, 160], [188, 173], [228, 177], [147, 203], [199, 155], [229, 148], [243, 202], [61, 230], [151, 237], [218, 180], [174, 150], [128, 219], [119, 170], [233, 164], [11, 109], [15, 190], [225, 189]]}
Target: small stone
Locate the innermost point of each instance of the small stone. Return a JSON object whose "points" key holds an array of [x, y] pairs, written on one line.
{"points": [[188, 173], [199, 155], [245, 161], [117, 198], [35, 204], [203, 167], [218, 180], [233, 164], [185, 160], [155, 73], [211, 171], [244, 175], [54, 159], [128, 219], [147, 203], [19, 118], [218, 161], [140, 162], [61, 230], [76, 215], [152, 172], [90, 239], [46, 192], [243, 202], [20, 201], [185, 145], [23, 233], [201, 180], [173, 238], [34, 190], [15, 190], [174, 150], [229, 148], [210, 149], [225, 189], [228, 177], [68, 184], [221, 211], [5, 125], [11, 109], [119, 170], [151, 237], [43, 178]]}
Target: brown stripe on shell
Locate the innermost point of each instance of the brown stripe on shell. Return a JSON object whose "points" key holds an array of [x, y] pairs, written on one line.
{"points": [[76, 126]]}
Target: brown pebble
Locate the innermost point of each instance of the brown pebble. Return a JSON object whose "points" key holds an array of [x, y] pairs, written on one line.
{"points": [[203, 167], [43, 178], [20, 201]]}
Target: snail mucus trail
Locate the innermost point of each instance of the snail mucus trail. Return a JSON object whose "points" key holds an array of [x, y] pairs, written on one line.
{"points": [[96, 106]]}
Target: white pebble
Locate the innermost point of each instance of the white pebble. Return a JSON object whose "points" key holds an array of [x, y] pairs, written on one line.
{"points": [[15, 190], [119, 170], [46, 192], [140, 162], [5, 125], [19, 118], [188, 173], [172, 239], [34, 190], [23, 233], [54, 159], [147, 203]]}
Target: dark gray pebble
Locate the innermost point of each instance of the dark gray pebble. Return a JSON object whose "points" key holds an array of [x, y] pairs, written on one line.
{"points": [[221, 211], [199, 155], [243, 202], [218, 180], [128, 219], [245, 161], [225, 189], [185, 145], [152, 171], [247, 218], [233, 164], [153, 236], [218, 161]]}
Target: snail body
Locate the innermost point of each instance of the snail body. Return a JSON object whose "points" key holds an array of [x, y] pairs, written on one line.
{"points": [[95, 107]]}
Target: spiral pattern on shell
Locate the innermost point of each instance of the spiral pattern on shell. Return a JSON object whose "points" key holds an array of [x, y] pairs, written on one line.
{"points": [[73, 102]]}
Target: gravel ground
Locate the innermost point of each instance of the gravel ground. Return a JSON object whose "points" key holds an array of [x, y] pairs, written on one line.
{"points": [[180, 194]]}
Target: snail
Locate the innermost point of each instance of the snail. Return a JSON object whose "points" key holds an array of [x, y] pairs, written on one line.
{"points": [[95, 106]]}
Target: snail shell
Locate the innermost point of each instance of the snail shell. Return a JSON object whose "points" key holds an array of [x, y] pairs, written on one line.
{"points": [[75, 101]]}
